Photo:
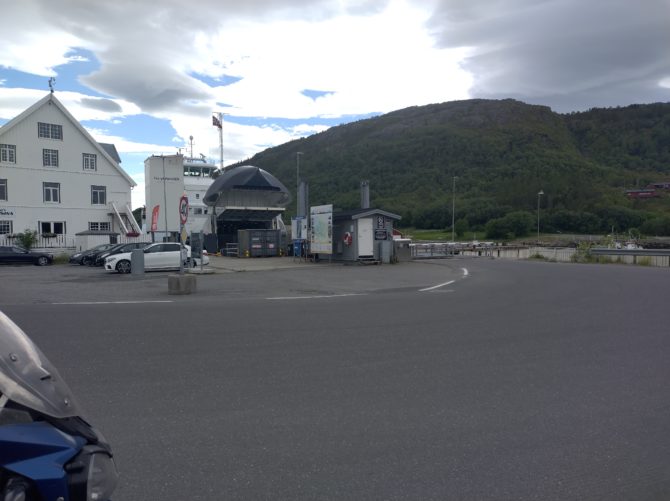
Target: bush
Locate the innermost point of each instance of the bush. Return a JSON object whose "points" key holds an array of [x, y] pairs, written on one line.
{"points": [[27, 239]]}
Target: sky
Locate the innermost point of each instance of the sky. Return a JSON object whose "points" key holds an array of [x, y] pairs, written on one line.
{"points": [[147, 76]]}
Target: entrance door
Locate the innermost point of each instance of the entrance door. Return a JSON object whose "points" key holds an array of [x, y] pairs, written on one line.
{"points": [[365, 237]]}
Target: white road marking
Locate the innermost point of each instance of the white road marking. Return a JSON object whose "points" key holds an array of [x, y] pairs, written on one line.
{"points": [[314, 297], [437, 286], [427, 289], [115, 302]]}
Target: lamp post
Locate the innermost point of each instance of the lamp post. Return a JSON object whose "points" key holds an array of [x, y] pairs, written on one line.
{"points": [[453, 206], [297, 183], [539, 194]]}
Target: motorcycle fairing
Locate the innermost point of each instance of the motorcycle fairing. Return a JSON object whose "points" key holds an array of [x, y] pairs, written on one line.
{"points": [[38, 451], [28, 378]]}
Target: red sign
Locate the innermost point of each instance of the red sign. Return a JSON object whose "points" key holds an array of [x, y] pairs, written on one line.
{"points": [[154, 218], [183, 209]]}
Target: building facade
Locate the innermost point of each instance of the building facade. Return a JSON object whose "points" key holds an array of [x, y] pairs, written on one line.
{"points": [[168, 178], [55, 179]]}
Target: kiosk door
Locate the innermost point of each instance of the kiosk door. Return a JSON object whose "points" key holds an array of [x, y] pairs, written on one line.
{"points": [[365, 237]]}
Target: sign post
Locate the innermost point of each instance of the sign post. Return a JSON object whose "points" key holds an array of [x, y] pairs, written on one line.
{"points": [[183, 217]]}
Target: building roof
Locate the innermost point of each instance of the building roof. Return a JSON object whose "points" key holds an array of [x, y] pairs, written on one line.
{"points": [[111, 151], [50, 99], [361, 213], [246, 178]]}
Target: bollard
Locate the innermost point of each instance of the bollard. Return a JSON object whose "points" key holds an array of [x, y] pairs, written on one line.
{"points": [[181, 284], [137, 262]]}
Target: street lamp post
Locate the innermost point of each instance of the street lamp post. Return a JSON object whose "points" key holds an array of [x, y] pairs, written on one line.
{"points": [[297, 183], [453, 207], [539, 194]]}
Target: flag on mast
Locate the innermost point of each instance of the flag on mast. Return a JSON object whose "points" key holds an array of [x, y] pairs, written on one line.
{"points": [[216, 122]]}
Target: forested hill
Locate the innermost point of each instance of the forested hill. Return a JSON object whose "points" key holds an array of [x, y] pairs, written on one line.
{"points": [[502, 154]]}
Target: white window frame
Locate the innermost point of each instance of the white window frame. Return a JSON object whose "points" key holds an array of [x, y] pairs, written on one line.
{"points": [[51, 191], [89, 161], [96, 192], [8, 153], [49, 131], [49, 157], [55, 227], [99, 226], [4, 194], [6, 227]]}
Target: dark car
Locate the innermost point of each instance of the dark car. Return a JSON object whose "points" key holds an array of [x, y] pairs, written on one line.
{"points": [[84, 257], [15, 255], [118, 249]]}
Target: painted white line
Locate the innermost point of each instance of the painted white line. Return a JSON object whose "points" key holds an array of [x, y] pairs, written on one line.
{"points": [[314, 297], [115, 302], [437, 286], [465, 274]]}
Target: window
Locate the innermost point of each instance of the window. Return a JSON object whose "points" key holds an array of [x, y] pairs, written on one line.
{"points": [[101, 226], [49, 131], [5, 227], [50, 158], [8, 153], [56, 227], [98, 195], [3, 189], [90, 161], [51, 192]]}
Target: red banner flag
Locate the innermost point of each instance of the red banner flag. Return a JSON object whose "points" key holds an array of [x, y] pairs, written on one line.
{"points": [[154, 218]]}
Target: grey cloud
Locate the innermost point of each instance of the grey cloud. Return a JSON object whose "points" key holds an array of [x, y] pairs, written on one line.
{"points": [[568, 54], [106, 105], [134, 39]]}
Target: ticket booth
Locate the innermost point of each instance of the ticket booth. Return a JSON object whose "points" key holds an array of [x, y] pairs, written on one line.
{"points": [[363, 235]]}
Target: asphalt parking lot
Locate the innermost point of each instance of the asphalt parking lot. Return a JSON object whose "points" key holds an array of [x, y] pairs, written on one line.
{"points": [[229, 277]]}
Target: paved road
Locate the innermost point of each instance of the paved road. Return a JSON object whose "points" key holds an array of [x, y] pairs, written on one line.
{"points": [[521, 380]]}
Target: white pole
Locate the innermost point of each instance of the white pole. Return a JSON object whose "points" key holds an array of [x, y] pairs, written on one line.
{"points": [[221, 138], [453, 207]]}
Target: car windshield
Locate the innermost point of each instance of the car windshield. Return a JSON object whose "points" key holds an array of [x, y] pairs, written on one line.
{"points": [[28, 378]]}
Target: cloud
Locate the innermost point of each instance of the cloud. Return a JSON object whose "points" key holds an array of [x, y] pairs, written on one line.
{"points": [[569, 54], [106, 105]]}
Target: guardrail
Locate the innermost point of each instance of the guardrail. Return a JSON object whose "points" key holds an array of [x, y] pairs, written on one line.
{"points": [[647, 257]]}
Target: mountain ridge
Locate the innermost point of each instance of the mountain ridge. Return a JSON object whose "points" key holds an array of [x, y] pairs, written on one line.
{"points": [[502, 152]]}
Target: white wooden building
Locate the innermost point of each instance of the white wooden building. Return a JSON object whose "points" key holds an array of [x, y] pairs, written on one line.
{"points": [[57, 180]]}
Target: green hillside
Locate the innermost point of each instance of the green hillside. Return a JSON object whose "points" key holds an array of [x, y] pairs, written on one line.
{"points": [[502, 153]]}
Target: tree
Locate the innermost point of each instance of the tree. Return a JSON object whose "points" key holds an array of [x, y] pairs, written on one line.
{"points": [[461, 227], [513, 225]]}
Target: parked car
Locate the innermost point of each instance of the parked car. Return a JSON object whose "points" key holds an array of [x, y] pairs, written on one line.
{"points": [[16, 254], [117, 249], [196, 261], [158, 256], [84, 257]]}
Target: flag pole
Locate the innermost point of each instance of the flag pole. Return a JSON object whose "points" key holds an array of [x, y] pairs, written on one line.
{"points": [[221, 138]]}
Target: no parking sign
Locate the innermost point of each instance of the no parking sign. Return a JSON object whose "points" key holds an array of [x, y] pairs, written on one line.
{"points": [[183, 209]]}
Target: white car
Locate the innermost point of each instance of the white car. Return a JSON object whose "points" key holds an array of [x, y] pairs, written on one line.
{"points": [[158, 256]]}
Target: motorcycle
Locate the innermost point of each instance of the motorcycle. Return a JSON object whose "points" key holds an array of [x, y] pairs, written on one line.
{"points": [[48, 452]]}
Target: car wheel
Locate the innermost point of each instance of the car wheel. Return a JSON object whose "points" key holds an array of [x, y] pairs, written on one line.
{"points": [[42, 261], [123, 266], [86, 260]]}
